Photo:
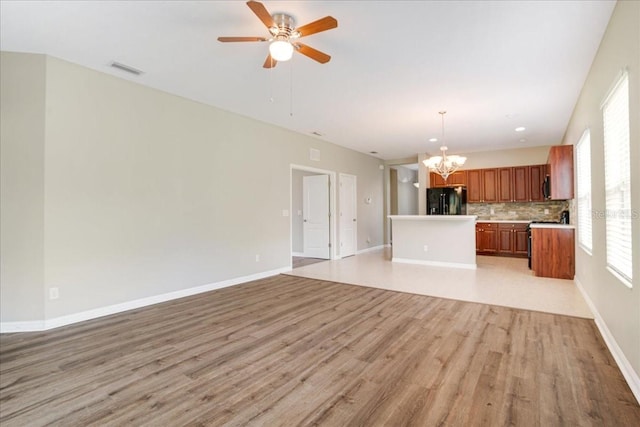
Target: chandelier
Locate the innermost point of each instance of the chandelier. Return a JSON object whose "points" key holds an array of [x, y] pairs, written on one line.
{"points": [[444, 165]]}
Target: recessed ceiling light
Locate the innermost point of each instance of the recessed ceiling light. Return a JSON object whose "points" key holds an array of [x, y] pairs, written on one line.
{"points": [[433, 140], [520, 129], [523, 140]]}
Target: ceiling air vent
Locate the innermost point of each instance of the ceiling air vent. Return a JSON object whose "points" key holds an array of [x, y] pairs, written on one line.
{"points": [[126, 68]]}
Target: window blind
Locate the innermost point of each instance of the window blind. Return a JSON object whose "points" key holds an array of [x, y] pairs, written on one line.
{"points": [[584, 191], [618, 180]]}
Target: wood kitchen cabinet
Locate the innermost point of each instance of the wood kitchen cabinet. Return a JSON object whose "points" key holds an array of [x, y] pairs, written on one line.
{"points": [[482, 185], [505, 185], [560, 170], [553, 252], [486, 238], [520, 183], [455, 179], [513, 184], [489, 185], [474, 186], [512, 239], [536, 180]]}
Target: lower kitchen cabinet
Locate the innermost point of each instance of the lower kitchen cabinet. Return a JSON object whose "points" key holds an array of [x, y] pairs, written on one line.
{"points": [[512, 239], [553, 252], [486, 238], [505, 239]]}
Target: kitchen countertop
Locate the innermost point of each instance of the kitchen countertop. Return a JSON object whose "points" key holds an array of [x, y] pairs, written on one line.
{"points": [[566, 226], [509, 221], [433, 217]]}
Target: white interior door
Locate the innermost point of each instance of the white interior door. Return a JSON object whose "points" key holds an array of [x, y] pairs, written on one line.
{"points": [[315, 193], [348, 215]]}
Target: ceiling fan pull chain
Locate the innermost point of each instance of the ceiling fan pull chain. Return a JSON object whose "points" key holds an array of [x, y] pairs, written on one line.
{"points": [[271, 81], [291, 89]]}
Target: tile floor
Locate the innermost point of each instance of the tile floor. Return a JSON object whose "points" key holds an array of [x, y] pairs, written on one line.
{"points": [[497, 280]]}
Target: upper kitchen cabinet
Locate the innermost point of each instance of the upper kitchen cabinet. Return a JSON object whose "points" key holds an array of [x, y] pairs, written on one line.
{"points": [[454, 180], [536, 180], [513, 184], [482, 185], [560, 170]]}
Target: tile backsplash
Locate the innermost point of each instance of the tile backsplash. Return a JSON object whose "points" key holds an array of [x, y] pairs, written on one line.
{"points": [[518, 211]]}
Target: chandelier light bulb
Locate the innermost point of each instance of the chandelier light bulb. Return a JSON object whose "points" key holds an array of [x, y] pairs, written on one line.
{"points": [[281, 50]]}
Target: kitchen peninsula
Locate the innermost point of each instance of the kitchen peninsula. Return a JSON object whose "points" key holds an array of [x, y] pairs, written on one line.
{"points": [[438, 240]]}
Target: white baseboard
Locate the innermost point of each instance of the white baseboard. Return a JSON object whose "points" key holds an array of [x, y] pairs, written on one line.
{"points": [[435, 263], [43, 325], [627, 370], [300, 254], [28, 326], [373, 248]]}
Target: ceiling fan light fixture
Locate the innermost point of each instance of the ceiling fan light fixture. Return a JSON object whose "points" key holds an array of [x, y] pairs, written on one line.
{"points": [[281, 50]]}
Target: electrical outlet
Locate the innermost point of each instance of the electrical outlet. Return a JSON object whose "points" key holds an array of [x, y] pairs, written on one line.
{"points": [[285, 212], [54, 293], [493, 212], [546, 211], [257, 258], [426, 248]]}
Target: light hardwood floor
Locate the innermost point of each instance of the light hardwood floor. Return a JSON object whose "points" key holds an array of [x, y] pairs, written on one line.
{"points": [[295, 351]]}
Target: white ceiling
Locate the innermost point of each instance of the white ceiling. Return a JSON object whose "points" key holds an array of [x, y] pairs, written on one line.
{"points": [[493, 65]]}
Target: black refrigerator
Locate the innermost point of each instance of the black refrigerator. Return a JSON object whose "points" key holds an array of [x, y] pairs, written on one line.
{"points": [[447, 201]]}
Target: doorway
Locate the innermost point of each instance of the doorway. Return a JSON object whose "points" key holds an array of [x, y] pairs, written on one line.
{"points": [[348, 215], [313, 218], [403, 192]]}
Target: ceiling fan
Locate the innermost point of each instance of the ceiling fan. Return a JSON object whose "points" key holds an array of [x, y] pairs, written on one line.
{"points": [[284, 35]]}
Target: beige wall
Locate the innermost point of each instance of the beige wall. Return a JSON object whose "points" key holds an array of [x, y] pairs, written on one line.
{"points": [[147, 193], [22, 129], [618, 305]]}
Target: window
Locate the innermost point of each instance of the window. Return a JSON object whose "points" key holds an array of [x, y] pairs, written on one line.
{"points": [[584, 191], [617, 180]]}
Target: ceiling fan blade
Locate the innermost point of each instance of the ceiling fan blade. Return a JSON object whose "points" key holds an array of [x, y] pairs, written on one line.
{"points": [[312, 53], [242, 39], [269, 62], [261, 12], [322, 24]]}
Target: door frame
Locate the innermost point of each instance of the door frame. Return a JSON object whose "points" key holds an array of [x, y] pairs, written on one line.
{"points": [[333, 236]]}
